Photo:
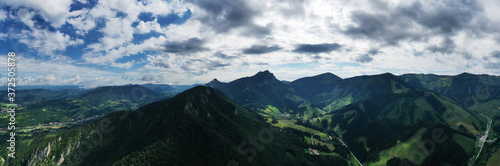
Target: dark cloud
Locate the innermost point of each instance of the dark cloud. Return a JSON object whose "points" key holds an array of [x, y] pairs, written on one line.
{"points": [[224, 15], [161, 63], [292, 8], [418, 53], [262, 64], [261, 49], [317, 48], [373, 52], [365, 58], [191, 45], [495, 54], [446, 47], [446, 17], [492, 65], [147, 78], [257, 31], [223, 56], [443, 18], [216, 64], [467, 55], [127, 78]]}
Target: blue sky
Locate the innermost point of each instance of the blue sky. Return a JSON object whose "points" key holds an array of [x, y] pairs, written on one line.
{"points": [[93, 43]]}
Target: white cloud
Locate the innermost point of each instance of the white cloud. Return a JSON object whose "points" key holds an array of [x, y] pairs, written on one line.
{"points": [[125, 65], [110, 56], [32, 71], [54, 11], [146, 27], [3, 15], [26, 17], [47, 42], [82, 21], [285, 24]]}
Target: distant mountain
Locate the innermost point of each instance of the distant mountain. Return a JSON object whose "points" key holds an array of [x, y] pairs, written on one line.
{"points": [[197, 127], [464, 88], [330, 92], [30, 96], [308, 87], [100, 101], [169, 89], [47, 87]]}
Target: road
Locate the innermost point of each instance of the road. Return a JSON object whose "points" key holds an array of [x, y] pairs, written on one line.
{"points": [[480, 141], [349, 150]]}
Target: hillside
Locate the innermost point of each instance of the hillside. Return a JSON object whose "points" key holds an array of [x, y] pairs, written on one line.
{"points": [[308, 87], [391, 125], [334, 93], [197, 127], [465, 88]]}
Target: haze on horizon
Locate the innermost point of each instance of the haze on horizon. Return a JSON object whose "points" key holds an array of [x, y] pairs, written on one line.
{"points": [[94, 43]]}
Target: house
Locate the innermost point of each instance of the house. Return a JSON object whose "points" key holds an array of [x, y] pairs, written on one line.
{"points": [[313, 152]]}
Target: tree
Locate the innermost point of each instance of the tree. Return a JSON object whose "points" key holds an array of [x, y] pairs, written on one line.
{"points": [[274, 121], [324, 123]]}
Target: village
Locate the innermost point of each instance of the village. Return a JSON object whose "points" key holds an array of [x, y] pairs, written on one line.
{"points": [[51, 126]]}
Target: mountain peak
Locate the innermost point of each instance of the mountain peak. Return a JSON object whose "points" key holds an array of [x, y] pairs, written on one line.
{"points": [[214, 81], [465, 74], [329, 75], [265, 77], [265, 72]]}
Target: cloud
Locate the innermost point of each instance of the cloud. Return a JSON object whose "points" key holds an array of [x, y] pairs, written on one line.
{"points": [[365, 58], [3, 15], [495, 54], [317, 48], [194, 65], [39, 80], [225, 15], [151, 78], [110, 56], [82, 21], [54, 12], [125, 65], [417, 21], [146, 27], [223, 56], [373, 52], [218, 36], [492, 65], [447, 47], [189, 46], [31, 71], [47, 42], [446, 16], [261, 49]]}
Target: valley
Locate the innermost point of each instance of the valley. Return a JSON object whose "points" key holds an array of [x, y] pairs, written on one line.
{"points": [[480, 141]]}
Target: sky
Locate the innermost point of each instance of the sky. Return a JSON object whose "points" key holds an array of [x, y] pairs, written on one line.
{"points": [[179, 42]]}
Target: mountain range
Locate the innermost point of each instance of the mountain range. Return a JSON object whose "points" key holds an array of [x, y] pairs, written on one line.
{"points": [[414, 119]]}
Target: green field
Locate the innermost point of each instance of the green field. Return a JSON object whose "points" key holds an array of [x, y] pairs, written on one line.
{"points": [[330, 146], [323, 153], [402, 149], [270, 110], [291, 123], [494, 159]]}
